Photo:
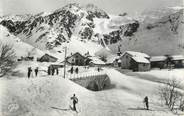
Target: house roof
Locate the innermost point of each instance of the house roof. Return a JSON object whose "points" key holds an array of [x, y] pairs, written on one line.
{"points": [[112, 58], [158, 58], [49, 56], [137, 54], [75, 54], [177, 57], [96, 60], [141, 60]]}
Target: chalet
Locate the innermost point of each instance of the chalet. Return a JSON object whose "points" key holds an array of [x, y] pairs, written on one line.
{"points": [[77, 59], [140, 59], [47, 58], [177, 60], [117, 62], [111, 60], [158, 61], [139, 64], [94, 61]]}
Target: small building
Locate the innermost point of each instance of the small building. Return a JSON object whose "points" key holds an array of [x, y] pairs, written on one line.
{"points": [[117, 62], [139, 64], [94, 61], [77, 59], [177, 60], [47, 58], [129, 56], [158, 61]]}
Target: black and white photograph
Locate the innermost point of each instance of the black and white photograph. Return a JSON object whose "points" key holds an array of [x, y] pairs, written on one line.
{"points": [[91, 58]]}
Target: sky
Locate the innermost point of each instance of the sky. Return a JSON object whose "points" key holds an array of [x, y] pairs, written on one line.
{"points": [[110, 6]]}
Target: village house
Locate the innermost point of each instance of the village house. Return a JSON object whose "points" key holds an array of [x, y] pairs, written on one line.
{"points": [[140, 64], [177, 60], [158, 62], [136, 61], [94, 61], [77, 59], [47, 58]]}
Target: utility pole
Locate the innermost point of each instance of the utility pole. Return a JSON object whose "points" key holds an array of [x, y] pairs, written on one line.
{"points": [[65, 63]]}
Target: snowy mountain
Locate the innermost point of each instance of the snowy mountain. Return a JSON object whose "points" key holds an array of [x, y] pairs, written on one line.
{"points": [[20, 48], [50, 30], [154, 32]]}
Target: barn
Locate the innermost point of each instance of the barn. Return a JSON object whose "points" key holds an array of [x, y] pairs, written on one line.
{"points": [[158, 61], [47, 58], [94, 61], [140, 64], [177, 60], [130, 57], [77, 59]]}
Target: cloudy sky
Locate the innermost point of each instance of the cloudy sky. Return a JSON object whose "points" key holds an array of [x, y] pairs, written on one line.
{"points": [[110, 6]]}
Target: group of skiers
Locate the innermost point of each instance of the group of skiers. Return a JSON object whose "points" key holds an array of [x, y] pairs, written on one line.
{"points": [[72, 70], [52, 70], [30, 72]]}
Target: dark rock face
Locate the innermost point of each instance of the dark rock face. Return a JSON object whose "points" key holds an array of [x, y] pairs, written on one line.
{"points": [[131, 29], [173, 20], [95, 12], [62, 20], [127, 30], [62, 23]]}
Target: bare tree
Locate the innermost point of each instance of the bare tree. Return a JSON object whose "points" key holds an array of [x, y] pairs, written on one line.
{"points": [[181, 103], [170, 94], [7, 59]]}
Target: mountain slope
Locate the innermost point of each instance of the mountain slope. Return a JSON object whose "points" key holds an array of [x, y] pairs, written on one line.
{"points": [[154, 32]]}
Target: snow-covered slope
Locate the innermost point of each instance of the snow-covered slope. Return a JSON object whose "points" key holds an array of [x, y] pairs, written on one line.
{"points": [[20, 48], [158, 34], [50, 96]]}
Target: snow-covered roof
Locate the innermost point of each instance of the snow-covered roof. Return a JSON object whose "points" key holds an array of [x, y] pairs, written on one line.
{"points": [[137, 54], [141, 60], [112, 58], [177, 57], [158, 58], [96, 60]]}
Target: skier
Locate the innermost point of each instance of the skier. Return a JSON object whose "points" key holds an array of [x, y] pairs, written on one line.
{"points": [[98, 69], [146, 102], [49, 70], [36, 71], [71, 70], [75, 101], [29, 72], [57, 71], [52, 70], [77, 70]]}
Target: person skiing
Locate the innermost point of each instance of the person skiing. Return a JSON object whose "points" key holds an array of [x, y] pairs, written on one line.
{"points": [[49, 70], [98, 69], [77, 70], [75, 101], [146, 102], [29, 72], [53, 70], [71, 70], [36, 71], [57, 71]]}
